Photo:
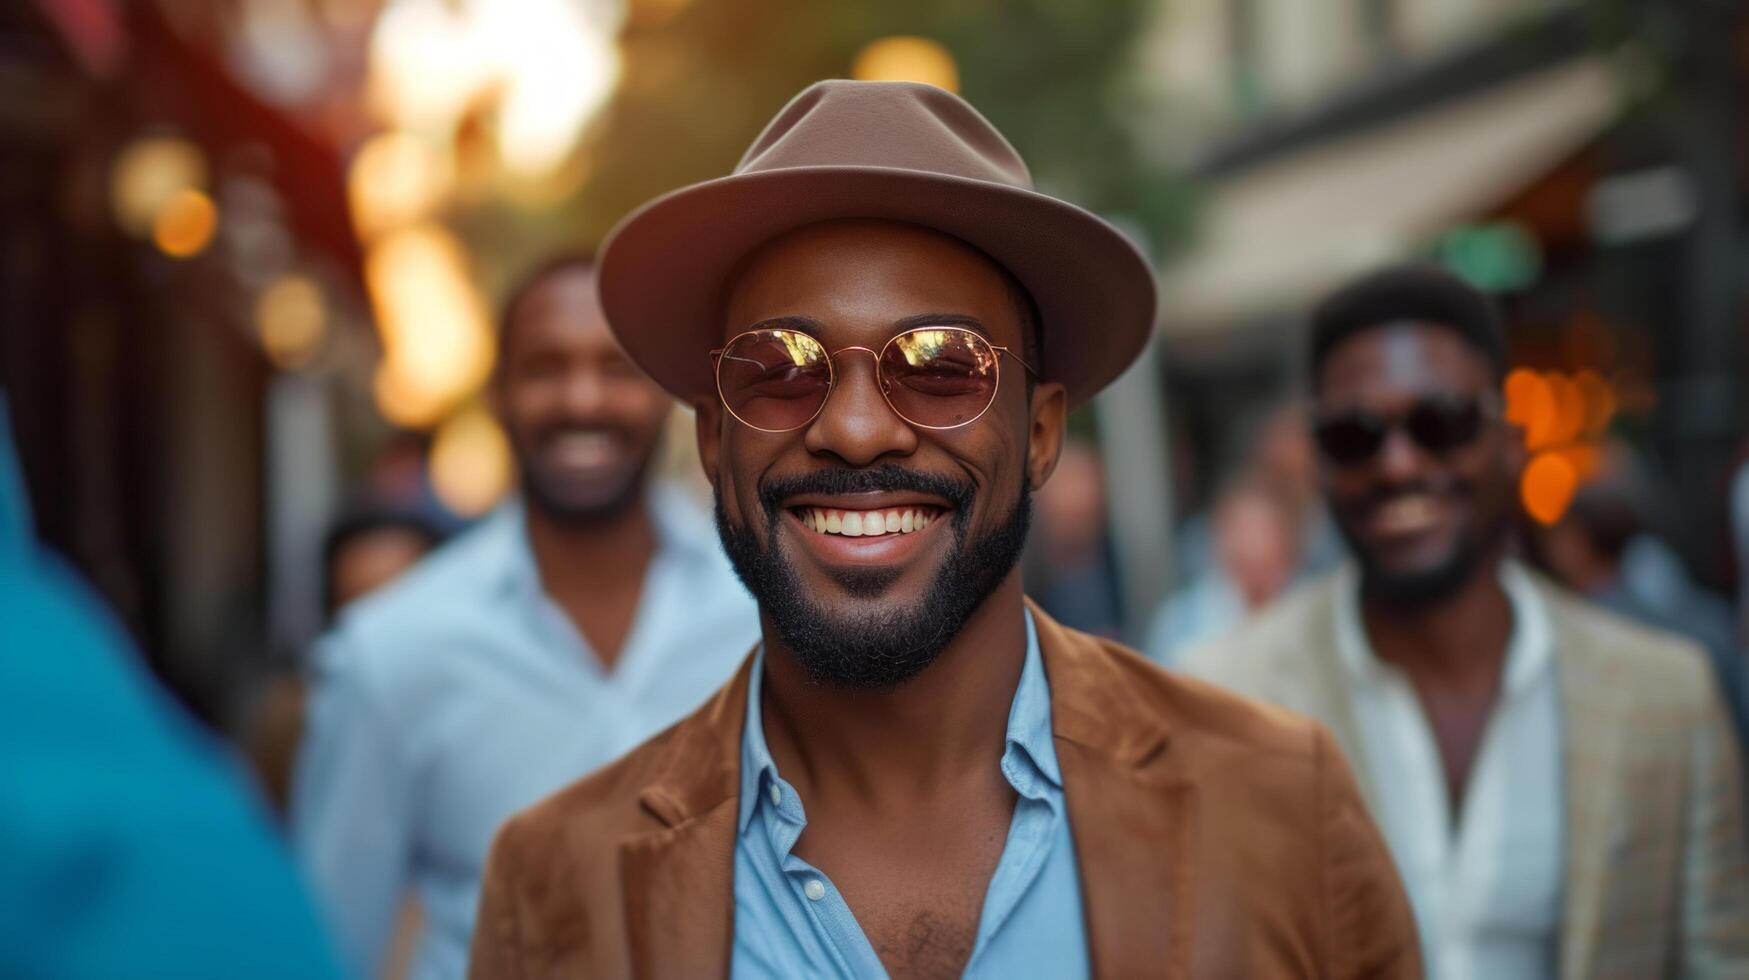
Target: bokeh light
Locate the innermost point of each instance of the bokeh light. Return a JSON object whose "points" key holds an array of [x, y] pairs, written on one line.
{"points": [[396, 179], [546, 65], [184, 226], [1569, 415], [1547, 487], [1530, 405], [402, 404], [470, 462], [147, 174], [905, 58], [292, 320], [438, 344]]}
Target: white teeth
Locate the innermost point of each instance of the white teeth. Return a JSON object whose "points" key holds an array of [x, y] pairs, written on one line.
{"points": [[864, 524], [1406, 514]]}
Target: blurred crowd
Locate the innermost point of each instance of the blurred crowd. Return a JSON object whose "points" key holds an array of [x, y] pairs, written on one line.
{"points": [[514, 577]]}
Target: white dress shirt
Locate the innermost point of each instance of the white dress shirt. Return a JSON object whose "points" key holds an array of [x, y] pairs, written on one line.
{"points": [[462, 694], [1487, 892]]}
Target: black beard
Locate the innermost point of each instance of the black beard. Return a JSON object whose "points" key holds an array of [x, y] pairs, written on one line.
{"points": [[883, 650], [555, 507], [1419, 589]]}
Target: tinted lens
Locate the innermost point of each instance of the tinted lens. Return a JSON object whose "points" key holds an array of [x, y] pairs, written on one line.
{"points": [[939, 377], [1351, 438], [1443, 424], [774, 379]]}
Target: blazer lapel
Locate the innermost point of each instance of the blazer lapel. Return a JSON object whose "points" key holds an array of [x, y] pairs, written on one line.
{"points": [[1589, 756], [680, 897], [1323, 689], [1130, 813], [679, 879]]}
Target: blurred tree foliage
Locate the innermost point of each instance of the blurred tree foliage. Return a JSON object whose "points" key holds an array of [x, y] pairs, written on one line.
{"points": [[699, 82]]}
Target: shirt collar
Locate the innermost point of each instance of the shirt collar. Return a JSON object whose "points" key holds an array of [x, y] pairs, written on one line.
{"points": [[1029, 731], [1529, 651]]}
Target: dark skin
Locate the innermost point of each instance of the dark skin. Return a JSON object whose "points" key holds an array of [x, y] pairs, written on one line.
{"points": [[907, 810], [1410, 511], [584, 423]]}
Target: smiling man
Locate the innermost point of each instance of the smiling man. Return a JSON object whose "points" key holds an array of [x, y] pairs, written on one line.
{"points": [[567, 627], [883, 327], [1557, 784]]}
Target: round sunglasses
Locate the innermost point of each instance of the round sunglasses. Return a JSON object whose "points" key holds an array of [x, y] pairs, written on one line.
{"points": [[1438, 425], [777, 380]]}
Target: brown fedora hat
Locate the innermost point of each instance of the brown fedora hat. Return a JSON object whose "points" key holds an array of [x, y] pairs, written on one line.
{"points": [[894, 150]]}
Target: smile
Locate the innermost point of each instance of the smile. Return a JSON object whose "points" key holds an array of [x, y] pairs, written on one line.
{"points": [[866, 523]]}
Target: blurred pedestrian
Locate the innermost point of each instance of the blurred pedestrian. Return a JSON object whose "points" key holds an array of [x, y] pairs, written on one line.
{"points": [[1256, 542], [562, 630], [1559, 786], [364, 550], [883, 328], [131, 843], [370, 547], [1074, 574]]}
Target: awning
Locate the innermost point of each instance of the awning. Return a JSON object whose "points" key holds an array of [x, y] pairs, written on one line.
{"points": [[1278, 233]]}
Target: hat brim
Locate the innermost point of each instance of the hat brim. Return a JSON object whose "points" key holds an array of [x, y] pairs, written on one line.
{"points": [[663, 270]]}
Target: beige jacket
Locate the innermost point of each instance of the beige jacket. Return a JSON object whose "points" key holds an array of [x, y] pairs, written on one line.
{"points": [[1656, 880], [1215, 837]]}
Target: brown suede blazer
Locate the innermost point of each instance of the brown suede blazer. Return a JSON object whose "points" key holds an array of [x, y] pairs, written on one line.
{"points": [[1216, 837]]}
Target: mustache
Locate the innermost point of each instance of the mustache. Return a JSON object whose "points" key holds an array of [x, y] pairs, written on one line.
{"points": [[1433, 488], [568, 426], [886, 478]]}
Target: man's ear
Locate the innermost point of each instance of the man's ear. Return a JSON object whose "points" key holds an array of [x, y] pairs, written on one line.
{"points": [[707, 414], [1050, 418]]}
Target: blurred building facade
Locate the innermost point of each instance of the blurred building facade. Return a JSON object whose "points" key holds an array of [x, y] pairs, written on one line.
{"points": [[249, 248], [1582, 161]]}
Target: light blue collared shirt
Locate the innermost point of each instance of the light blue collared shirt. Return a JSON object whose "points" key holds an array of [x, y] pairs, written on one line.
{"points": [[790, 921], [462, 694]]}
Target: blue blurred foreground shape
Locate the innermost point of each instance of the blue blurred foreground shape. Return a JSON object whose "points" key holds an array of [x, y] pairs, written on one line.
{"points": [[130, 845]]}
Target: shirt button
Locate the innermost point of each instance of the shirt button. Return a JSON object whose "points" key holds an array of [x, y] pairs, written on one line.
{"points": [[815, 889], [776, 795]]}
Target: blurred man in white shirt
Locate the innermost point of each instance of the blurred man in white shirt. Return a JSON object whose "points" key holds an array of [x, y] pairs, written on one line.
{"points": [[566, 628]]}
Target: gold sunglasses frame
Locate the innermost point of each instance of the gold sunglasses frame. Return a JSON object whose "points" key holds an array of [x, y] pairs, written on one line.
{"points": [[832, 374]]}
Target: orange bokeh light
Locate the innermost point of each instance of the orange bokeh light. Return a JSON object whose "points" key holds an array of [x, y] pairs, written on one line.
{"points": [[1530, 405], [1547, 486], [185, 224], [1569, 415]]}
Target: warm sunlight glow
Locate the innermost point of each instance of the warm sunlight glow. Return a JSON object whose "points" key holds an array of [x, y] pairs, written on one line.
{"points": [[292, 320], [907, 59], [470, 462], [438, 344], [147, 174]]}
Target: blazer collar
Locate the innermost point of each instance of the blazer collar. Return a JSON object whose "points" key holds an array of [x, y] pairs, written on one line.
{"points": [[1131, 808], [1126, 798]]}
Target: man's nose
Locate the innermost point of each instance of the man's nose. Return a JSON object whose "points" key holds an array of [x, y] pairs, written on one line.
{"points": [[1400, 460], [856, 424], [585, 392]]}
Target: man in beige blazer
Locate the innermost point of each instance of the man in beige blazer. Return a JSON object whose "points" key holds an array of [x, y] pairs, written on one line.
{"points": [[1557, 785]]}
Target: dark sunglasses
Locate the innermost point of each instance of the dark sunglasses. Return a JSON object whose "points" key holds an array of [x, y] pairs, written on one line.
{"points": [[1438, 425], [933, 377]]}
